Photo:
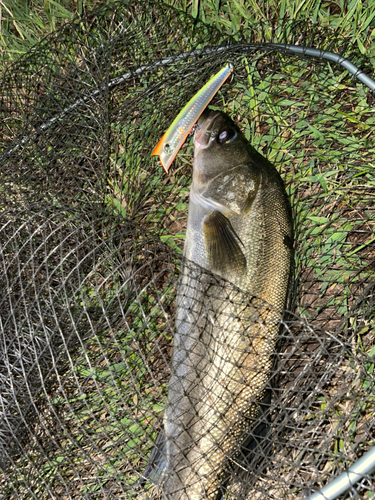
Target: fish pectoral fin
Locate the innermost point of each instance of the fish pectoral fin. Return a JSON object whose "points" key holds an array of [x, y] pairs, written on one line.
{"points": [[223, 244]]}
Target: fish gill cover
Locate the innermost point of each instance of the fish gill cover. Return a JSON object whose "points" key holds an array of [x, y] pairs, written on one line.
{"points": [[92, 232]]}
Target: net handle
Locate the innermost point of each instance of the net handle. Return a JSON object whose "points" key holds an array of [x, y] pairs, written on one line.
{"points": [[332, 490]]}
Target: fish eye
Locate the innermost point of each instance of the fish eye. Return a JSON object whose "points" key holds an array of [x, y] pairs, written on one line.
{"points": [[223, 135], [226, 135]]}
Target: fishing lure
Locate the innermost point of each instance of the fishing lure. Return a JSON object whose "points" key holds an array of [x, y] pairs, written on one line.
{"points": [[175, 136]]}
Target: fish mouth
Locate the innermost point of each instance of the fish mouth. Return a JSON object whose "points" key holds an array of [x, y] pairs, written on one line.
{"points": [[204, 134]]}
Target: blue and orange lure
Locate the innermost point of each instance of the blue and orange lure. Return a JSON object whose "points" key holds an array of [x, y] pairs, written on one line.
{"points": [[175, 136]]}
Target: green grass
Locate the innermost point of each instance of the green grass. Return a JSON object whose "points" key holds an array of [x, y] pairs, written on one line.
{"points": [[23, 23]]}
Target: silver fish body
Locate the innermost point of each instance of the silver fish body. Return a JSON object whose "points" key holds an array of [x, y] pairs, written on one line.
{"points": [[232, 291]]}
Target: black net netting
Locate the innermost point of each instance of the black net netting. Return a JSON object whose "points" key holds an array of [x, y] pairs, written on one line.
{"points": [[92, 232]]}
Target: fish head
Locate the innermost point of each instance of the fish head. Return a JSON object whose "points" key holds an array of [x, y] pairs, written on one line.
{"points": [[225, 175], [219, 145]]}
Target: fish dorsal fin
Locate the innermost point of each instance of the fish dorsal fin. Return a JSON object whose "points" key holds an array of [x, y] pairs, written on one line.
{"points": [[223, 245]]}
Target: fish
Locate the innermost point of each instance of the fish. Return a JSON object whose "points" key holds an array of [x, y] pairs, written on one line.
{"points": [[232, 291], [171, 142]]}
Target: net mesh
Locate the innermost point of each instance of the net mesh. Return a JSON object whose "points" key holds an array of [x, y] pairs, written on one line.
{"points": [[92, 233]]}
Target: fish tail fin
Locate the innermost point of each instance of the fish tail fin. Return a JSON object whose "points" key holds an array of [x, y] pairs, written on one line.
{"points": [[157, 464]]}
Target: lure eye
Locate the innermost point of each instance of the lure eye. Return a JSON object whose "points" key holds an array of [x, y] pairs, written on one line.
{"points": [[168, 148]]}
